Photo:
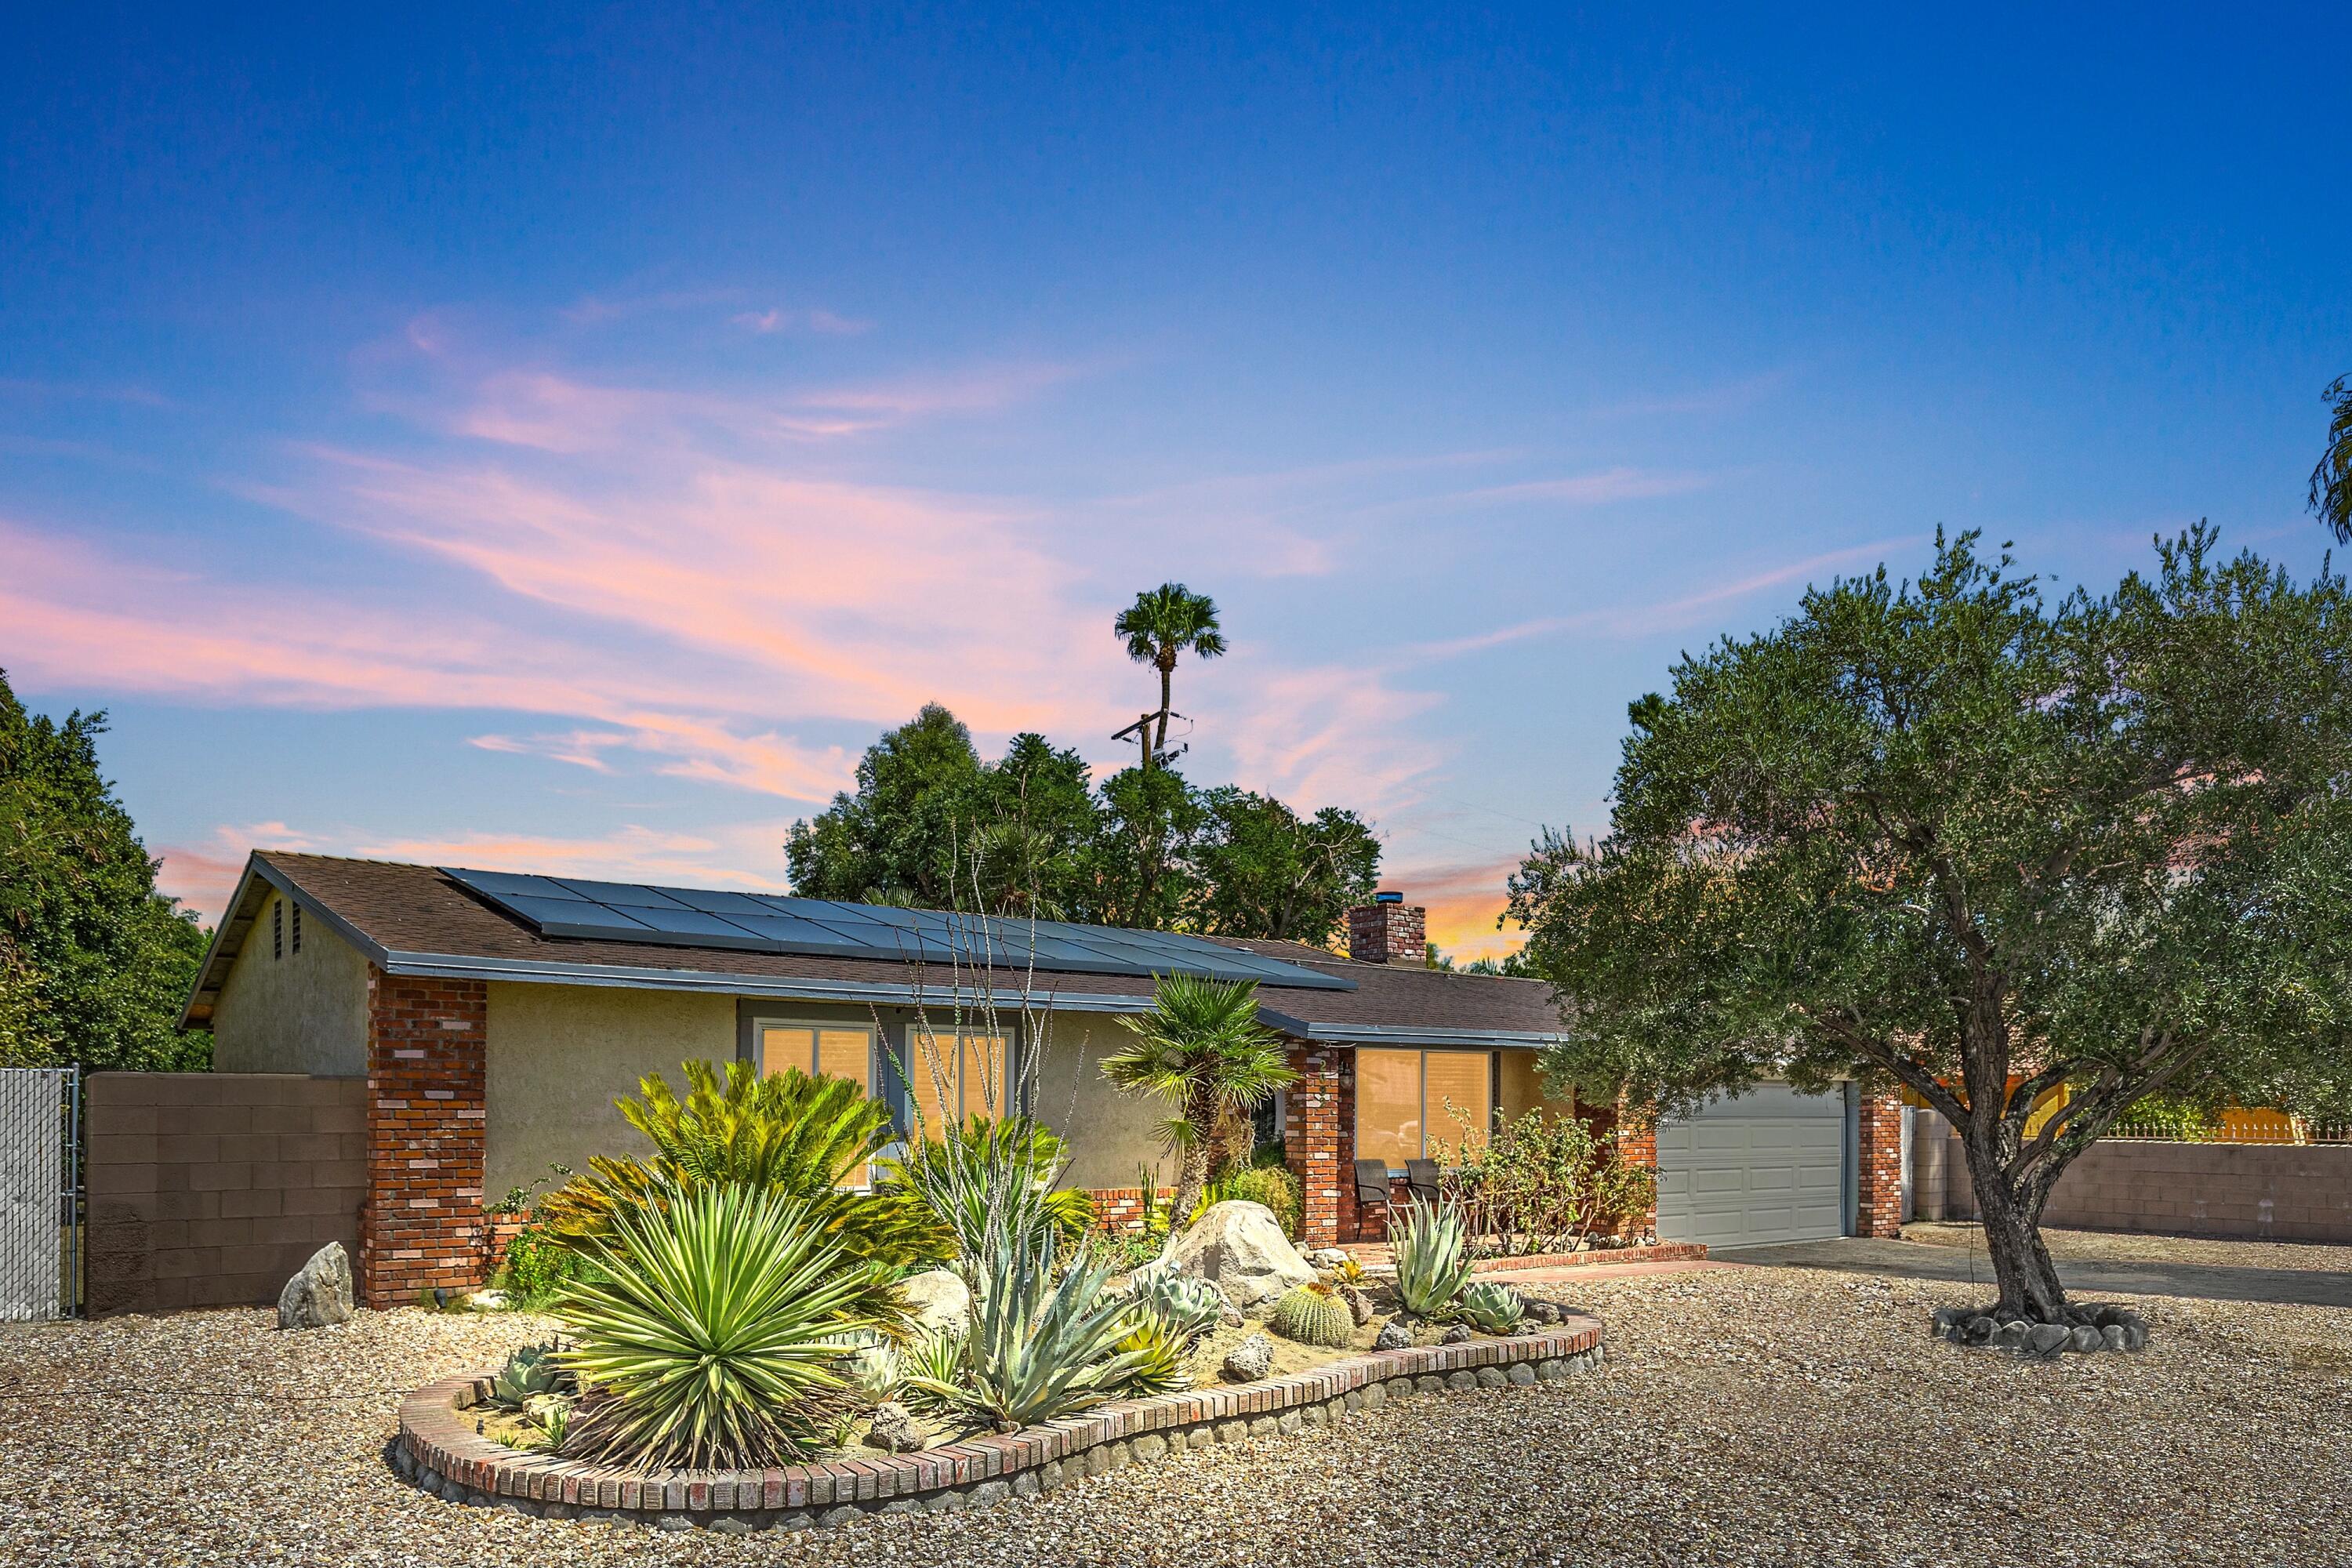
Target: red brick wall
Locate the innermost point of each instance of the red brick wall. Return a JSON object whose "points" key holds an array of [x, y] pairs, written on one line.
{"points": [[1878, 1208], [1121, 1208], [423, 1223], [1318, 1137], [1389, 933]]}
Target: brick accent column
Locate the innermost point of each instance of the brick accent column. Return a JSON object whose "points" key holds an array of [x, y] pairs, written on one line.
{"points": [[1637, 1140], [1878, 1207], [424, 1225], [1312, 1140]]}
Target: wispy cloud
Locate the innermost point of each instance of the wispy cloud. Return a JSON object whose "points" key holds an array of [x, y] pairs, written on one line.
{"points": [[1648, 619], [824, 323]]}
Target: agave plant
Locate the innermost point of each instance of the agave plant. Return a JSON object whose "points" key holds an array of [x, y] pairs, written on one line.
{"points": [[931, 1365], [530, 1373], [1433, 1257], [989, 1181], [714, 1333], [1158, 1356], [1493, 1305], [786, 1133], [1190, 1305], [1040, 1347]]}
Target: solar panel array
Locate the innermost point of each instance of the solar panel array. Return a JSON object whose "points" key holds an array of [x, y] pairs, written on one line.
{"points": [[828, 928]]}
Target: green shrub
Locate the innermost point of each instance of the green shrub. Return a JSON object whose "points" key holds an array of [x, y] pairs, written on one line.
{"points": [[1274, 1186], [1314, 1314], [1492, 1305], [1433, 1257], [714, 1335], [788, 1132], [1541, 1183], [989, 1180], [538, 1265]]}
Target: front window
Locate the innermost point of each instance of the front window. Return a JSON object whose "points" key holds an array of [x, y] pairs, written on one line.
{"points": [[819, 1049], [953, 1075], [1406, 1103]]}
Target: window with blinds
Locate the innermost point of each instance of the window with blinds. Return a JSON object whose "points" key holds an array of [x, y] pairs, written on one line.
{"points": [[953, 1076], [1407, 1103]]}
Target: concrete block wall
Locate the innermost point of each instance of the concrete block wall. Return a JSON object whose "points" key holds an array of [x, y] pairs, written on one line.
{"points": [[2270, 1192], [210, 1189]]}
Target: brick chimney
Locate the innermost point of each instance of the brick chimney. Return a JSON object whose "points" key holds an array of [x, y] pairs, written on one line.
{"points": [[1389, 930]]}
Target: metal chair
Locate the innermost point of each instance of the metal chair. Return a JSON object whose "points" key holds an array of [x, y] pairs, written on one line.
{"points": [[1372, 1185], [1420, 1179]]}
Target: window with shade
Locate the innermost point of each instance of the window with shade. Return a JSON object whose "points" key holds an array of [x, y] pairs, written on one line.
{"points": [[1406, 1101], [831, 1050], [952, 1076]]}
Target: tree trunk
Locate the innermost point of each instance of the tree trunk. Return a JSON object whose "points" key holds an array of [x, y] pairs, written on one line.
{"points": [[1192, 1168], [2012, 1215], [1167, 667]]}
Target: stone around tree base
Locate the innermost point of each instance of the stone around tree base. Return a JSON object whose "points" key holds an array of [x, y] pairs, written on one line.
{"points": [[2087, 1330]]}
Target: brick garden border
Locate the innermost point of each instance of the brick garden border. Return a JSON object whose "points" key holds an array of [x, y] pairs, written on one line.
{"points": [[439, 1451]]}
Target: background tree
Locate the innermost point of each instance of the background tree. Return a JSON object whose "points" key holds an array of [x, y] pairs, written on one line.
{"points": [[1945, 835], [1202, 1049], [1162, 623], [1261, 869], [94, 963], [2331, 481]]}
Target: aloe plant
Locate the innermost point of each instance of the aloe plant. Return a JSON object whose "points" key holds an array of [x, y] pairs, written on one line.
{"points": [[715, 1332], [1433, 1257], [1040, 1347], [1493, 1305], [528, 1373], [1187, 1303]]}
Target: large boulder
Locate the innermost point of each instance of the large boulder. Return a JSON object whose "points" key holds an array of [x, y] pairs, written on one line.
{"points": [[320, 1294], [1239, 1246], [940, 1301]]}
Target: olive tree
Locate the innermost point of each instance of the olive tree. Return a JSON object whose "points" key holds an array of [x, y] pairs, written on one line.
{"points": [[1952, 836]]}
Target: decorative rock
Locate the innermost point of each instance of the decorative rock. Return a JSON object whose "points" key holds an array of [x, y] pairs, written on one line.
{"points": [[1980, 1330], [1327, 1257], [2113, 1337], [1463, 1380], [320, 1294], [1521, 1374], [1459, 1334], [1393, 1336], [1491, 1377], [1360, 1306], [1541, 1312], [1252, 1360], [1149, 1446], [2013, 1334], [2083, 1337], [894, 1430], [987, 1492], [1241, 1246], [486, 1301], [2046, 1340], [940, 1301]]}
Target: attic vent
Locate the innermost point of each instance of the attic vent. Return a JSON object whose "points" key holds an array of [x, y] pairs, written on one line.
{"points": [[277, 931], [297, 928]]}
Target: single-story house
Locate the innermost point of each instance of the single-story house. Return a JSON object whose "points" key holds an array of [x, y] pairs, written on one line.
{"points": [[494, 1017]]}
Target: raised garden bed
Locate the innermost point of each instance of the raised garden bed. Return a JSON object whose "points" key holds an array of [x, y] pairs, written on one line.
{"points": [[439, 1449], [1376, 1256]]}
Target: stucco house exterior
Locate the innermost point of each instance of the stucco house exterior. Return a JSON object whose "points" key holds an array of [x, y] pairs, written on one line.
{"points": [[493, 1049]]}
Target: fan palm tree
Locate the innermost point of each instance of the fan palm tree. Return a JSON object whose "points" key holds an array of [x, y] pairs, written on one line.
{"points": [[2331, 481], [1202, 1049], [1162, 623]]}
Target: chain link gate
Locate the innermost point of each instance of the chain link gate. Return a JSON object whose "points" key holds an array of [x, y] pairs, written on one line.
{"points": [[40, 1192]]}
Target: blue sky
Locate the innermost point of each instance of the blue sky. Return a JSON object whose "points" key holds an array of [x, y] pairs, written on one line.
{"points": [[565, 441]]}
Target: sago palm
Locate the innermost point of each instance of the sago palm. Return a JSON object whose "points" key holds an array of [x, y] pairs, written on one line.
{"points": [[1162, 623], [1202, 1049]]}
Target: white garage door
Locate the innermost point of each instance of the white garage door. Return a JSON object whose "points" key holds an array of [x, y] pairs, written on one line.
{"points": [[1768, 1166]]}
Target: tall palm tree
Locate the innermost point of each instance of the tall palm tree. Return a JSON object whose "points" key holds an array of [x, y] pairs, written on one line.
{"points": [[2331, 481], [1162, 623], [1202, 1049]]}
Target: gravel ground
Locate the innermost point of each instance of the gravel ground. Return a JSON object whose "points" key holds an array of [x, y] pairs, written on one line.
{"points": [[1748, 1415], [2131, 1246]]}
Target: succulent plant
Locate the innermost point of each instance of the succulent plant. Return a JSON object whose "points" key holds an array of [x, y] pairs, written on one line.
{"points": [[528, 1374], [1038, 1348], [1314, 1314], [1432, 1259], [1187, 1303], [1492, 1305], [1156, 1353]]}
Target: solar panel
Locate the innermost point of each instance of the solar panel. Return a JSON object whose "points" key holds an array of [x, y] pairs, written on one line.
{"points": [[770, 922]]}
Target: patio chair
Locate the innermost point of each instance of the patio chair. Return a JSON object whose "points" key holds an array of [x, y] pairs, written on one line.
{"points": [[1420, 1179], [1372, 1185]]}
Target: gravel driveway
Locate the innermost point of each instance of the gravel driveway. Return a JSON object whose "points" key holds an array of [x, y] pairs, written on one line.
{"points": [[1748, 1415]]}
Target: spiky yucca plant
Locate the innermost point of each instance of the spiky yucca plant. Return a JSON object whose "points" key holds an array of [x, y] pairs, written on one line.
{"points": [[1314, 1314], [787, 1132], [930, 1364], [1190, 1305], [1038, 1348], [1493, 1305], [989, 1180], [714, 1335], [1433, 1257]]}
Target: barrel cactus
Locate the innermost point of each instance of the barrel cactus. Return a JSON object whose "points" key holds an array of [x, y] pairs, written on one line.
{"points": [[1493, 1307], [1314, 1315]]}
